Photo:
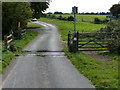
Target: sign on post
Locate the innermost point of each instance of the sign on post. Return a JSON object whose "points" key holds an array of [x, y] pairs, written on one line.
{"points": [[74, 9]]}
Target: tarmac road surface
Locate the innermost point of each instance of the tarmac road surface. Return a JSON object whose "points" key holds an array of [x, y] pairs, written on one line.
{"points": [[50, 70]]}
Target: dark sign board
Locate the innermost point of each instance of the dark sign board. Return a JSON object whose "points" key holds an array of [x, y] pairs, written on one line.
{"points": [[74, 9]]}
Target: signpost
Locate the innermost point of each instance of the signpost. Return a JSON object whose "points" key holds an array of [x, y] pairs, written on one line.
{"points": [[75, 39], [74, 10]]}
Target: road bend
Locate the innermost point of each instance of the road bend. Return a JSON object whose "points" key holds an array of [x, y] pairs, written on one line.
{"points": [[44, 64]]}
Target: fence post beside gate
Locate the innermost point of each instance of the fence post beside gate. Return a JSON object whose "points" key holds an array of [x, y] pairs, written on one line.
{"points": [[74, 44], [69, 38], [77, 40], [69, 42]]}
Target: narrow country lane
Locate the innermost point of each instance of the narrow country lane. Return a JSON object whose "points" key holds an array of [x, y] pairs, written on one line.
{"points": [[53, 70]]}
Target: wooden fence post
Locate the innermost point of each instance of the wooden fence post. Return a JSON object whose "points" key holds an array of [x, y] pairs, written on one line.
{"points": [[69, 38], [77, 40], [75, 43], [23, 32], [69, 42], [73, 46], [5, 41], [8, 42]]}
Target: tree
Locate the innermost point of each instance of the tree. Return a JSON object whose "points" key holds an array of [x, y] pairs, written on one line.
{"points": [[114, 27], [97, 21], [49, 13], [58, 12], [38, 8], [70, 18], [14, 12], [115, 10]]}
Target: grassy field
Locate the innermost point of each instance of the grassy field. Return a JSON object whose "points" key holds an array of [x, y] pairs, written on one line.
{"points": [[102, 74], [85, 17], [7, 55]]}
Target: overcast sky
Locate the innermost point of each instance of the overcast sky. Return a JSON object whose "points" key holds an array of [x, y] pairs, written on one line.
{"points": [[65, 6]]}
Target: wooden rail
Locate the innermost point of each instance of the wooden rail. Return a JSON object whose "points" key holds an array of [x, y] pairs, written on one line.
{"points": [[8, 40], [89, 41], [21, 33]]}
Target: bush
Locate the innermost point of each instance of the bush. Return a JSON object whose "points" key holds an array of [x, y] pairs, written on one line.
{"points": [[62, 18], [104, 21], [53, 16], [97, 21], [70, 18], [114, 27]]}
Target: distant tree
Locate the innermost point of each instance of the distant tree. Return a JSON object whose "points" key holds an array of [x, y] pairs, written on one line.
{"points": [[49, 13], [38, 8], [115, 10], [92, 13], [70, 18], [67, 13], [58, 12], [82, 13], [14, 12], [108, 13], [87, 13], [97, 21]]}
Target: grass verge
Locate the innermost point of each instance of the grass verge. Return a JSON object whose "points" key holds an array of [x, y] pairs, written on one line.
{"points": [[32, 26], [102, 74]]}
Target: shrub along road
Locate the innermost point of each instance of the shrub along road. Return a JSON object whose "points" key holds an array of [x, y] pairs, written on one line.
{"points": [[44, 65]]}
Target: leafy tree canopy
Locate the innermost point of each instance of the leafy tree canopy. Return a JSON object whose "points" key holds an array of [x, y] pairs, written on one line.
{"points": [[38, 8], [115, 10], [14, 12]]}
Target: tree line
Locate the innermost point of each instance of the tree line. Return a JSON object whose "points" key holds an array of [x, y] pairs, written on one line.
{"points": [[83, 13], [15, 12]]}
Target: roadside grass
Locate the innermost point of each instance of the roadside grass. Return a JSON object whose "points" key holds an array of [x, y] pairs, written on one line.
{"points": [[102, 74], [30, 35], [33, 26], [7, 55], [115, 57]]}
